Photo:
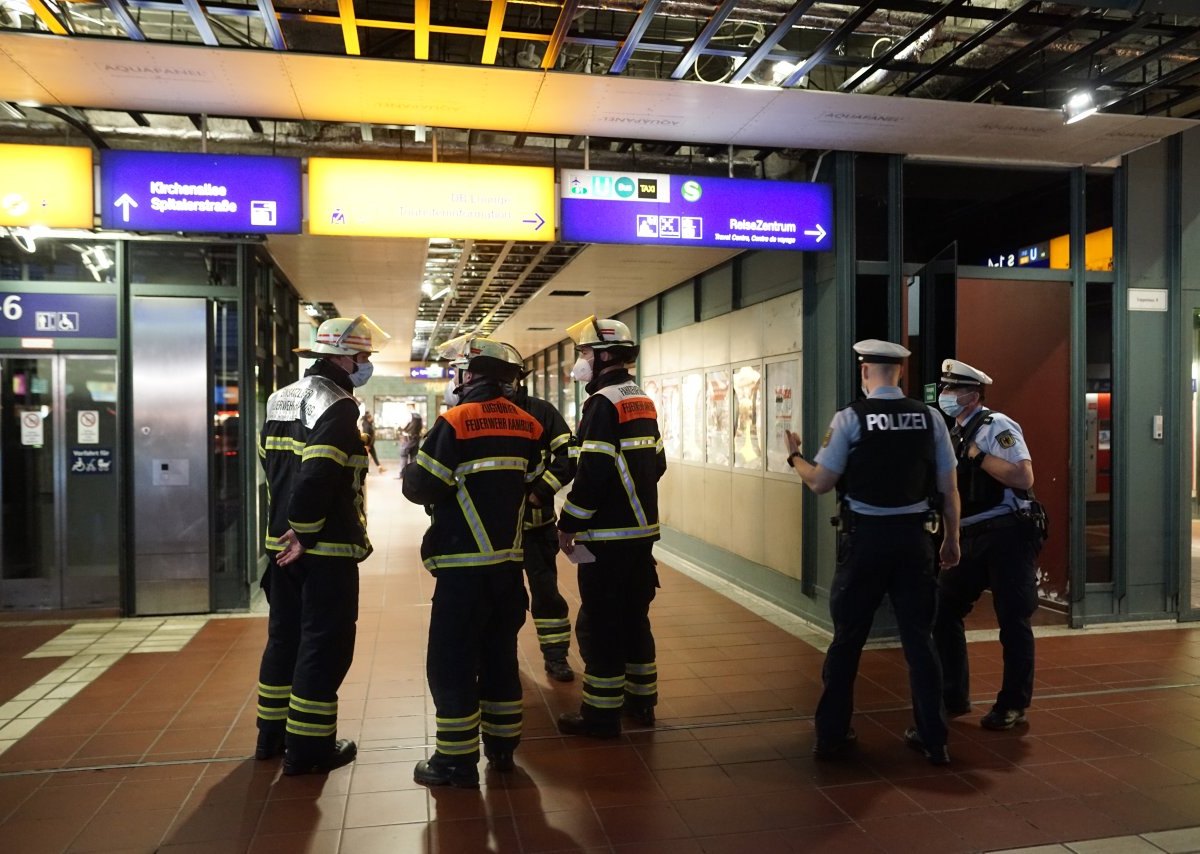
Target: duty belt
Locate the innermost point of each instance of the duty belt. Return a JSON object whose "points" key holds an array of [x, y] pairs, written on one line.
{"points": [[996, 523]]}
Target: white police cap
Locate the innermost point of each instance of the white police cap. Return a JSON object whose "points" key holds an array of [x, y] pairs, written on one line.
{"points": [[872, 350], [955, 372]]}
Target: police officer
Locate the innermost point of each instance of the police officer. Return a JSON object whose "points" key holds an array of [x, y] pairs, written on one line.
{"points": [[611, 518], [549, 608], [999, 548], [472, 472], [888, 456], [315, 462]]}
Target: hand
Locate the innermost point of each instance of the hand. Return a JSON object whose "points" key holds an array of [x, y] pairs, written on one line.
{"points": [[793, 441], [291, 548], [533, 499], [972, 451], [950, 553], [566, 542]]}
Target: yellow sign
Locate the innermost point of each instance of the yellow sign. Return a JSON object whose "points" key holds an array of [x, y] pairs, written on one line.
{"points": [[48, 185], [387, 198]]}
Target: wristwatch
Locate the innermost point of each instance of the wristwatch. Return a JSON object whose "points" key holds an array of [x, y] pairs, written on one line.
{"points": [[977, 460], [792, 458]]}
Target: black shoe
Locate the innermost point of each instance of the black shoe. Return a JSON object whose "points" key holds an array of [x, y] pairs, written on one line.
{"points": [[270, 745], [573, 723], [500, 760], [958, 708], [1001, 719], [643, 715], [833, 748], [936, 755], [441, 772], [559, 670], [344, 751]]}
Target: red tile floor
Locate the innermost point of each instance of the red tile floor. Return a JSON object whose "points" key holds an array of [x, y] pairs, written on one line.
{"points": [[154, 753]]}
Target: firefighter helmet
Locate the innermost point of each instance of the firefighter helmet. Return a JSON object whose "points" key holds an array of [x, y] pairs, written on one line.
{"points": [[346, 336], [601, 334]]}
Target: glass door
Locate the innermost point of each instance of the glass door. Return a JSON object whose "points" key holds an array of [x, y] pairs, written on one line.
{"points": [[58, 482], [1192, 474]]}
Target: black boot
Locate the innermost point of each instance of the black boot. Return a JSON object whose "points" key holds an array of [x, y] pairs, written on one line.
{"points": [[500, 759], [343, 753], [573, 723], [439, 770], [559, 670], [270, 744], [643, 715]]}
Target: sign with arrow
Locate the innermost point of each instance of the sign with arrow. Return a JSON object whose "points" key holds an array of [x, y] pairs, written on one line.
{"points": [[395, 198], [685, 210], [199, 193]]}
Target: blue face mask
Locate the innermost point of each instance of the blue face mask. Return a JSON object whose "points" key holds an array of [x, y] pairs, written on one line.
{"points": [[361, 373], [948, 403]]}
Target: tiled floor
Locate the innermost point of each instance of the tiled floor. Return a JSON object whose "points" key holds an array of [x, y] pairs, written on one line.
{"points": [[152, 752]]}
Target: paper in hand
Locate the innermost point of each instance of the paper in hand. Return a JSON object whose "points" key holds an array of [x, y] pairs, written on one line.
{"points": [[581, 554]]}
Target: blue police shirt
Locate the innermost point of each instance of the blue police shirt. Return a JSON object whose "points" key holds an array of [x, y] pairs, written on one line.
{"points": [[845, 431], [1001, 438]]}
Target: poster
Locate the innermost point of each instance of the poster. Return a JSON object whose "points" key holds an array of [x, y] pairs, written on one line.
{"points": [[692, 392], [783, 381], [670, 419], [33, 431], [747, 432], [716, 411], [89, 427]]}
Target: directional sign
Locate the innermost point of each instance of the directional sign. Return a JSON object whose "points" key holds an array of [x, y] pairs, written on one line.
{"points": [[679, 210], [389, 198], [57, 315], [47, 185], [199, 193]]}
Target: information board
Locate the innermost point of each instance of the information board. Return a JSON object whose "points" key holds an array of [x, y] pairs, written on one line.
{"points": [[58, 315], [46, 185], [678, 210], [199, 193]]}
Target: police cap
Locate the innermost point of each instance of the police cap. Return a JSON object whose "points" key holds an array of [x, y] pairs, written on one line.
{"points": [[874, 351], [955, 372]]}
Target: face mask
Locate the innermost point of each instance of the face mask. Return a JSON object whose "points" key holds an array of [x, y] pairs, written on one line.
{"points": [[451, 395], [949, 404], [582, 372], [361, 373]]}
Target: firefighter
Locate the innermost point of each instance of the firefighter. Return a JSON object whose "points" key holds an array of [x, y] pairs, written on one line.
{"points": [[547, 605], [472, 473], [611, 518], [315, 462]]}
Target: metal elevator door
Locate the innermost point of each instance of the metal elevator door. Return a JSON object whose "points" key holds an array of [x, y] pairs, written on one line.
{"points": [[171, 567]]}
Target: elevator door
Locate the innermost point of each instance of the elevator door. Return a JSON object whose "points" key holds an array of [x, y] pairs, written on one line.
{"points": [[58, 482]]}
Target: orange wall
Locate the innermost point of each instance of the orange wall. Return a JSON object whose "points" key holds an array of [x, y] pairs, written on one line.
{"points": [[1019, 332]]}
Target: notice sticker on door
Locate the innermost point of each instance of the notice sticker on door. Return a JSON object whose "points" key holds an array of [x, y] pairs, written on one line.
{"points": [[33, 431], [89, 427]]}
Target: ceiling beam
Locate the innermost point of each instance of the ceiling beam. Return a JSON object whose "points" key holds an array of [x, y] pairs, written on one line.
{"points": [[630, 42], [1183, 72], [1171, 103], [964, 48], [781, 29], [883, 60], [1146, 58], [483, 287], [529, 268], [491, 42], [266, 9], [559, 37], [48, 17], [701, 41], [830, 42], [127, 22], [349, 27], [200, 22], [421, 36], [464, 255]]}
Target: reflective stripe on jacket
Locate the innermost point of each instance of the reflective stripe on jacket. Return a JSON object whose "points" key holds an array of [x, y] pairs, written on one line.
{"points": [[556, 458]]}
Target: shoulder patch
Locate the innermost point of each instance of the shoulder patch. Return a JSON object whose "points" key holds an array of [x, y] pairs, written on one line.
{"points": [[828, 437], [1006, 439], [492, 418]]}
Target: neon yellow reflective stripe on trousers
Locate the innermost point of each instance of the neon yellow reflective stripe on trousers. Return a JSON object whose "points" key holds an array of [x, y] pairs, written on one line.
{"points": [[491, 464], [641, 690], [641, 669], [306, 527], [458, 748], [603, 702], [482, 540], [458, 724], [560, 637], [312, 707], [603, 681], [502, 730], [631, 491], [616, 533], [274, 692], [435, 468], [505, 707], [552, 623], [315, 730], [273, 713]]}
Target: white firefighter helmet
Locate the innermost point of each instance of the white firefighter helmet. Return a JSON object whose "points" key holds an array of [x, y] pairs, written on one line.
{"points": [[482, 355], [346, 336], [601, 334]]}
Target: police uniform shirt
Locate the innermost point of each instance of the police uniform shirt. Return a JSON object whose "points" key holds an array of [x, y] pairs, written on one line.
{"points": [[844, 433], [1002, 438]]}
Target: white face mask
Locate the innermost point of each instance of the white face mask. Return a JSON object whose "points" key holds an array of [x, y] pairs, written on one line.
{"points": [[361, 373], [949, 404], [451, 395], [582, 372]]}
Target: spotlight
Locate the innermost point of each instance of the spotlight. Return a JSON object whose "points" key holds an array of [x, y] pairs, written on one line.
{"points": [[1079, 106]]}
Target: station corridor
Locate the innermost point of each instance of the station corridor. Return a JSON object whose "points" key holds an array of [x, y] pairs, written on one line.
{"points": [[137, 735]]}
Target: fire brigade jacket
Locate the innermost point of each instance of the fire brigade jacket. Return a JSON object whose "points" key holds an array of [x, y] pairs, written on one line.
{"points": [[472, 473], [315, 461], [556, 457], [614, 497]]}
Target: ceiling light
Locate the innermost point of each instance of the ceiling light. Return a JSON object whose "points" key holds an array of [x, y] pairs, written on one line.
{"points": [[1079, 106]]}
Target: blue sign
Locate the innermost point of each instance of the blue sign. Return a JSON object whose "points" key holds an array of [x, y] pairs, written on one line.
{"points": [[91, 461], [679, 210], [210, 193], [431, 372], [58, 315]]}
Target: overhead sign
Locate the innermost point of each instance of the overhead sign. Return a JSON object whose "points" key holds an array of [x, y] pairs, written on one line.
{"points": [[48, 316], [46, 185], [430, 372], [199, 193], [388, 198], [680, 210]]}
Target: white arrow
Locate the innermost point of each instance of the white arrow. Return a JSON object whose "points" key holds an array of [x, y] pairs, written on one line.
{"points": [[125, 202], [818, 231]]}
